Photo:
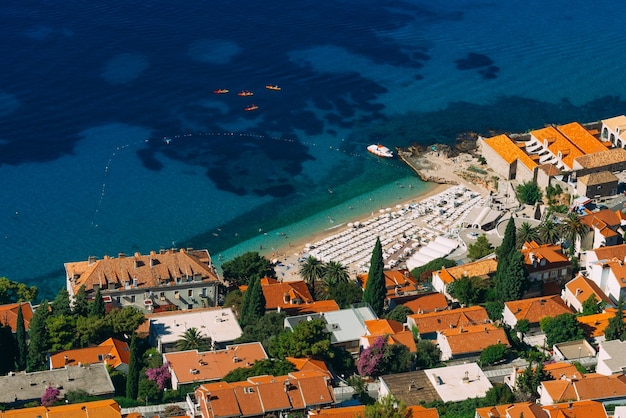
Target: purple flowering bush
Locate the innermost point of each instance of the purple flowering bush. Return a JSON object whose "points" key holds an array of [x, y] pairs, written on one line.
{"points": [[370, 360], [50, 396], [160, 375]]}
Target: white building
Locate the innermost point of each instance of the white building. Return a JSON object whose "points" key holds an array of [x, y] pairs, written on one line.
{"points": [[220, 325], [611, 357]]}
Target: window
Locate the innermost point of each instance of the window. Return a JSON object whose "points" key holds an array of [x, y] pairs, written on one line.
{"points": [[563, 272], [176, 294], [132, 298], [190, 293]]}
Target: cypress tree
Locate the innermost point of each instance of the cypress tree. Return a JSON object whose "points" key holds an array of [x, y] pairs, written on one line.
{"points": [[375, 289], [508, 242], [134, 366], [7, 348], [253, 304], [616, 329], [20, 336], [38, 345], [81, 306], [511, 278], [256, 302], [97, 308], [244, 310]]}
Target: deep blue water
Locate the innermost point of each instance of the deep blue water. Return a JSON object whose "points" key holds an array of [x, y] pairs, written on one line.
{"points": [[111, 139]]}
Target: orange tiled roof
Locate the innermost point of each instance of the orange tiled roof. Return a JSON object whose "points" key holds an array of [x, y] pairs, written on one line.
{"points": [[618, 268], [308, 364], [552, 253], [394, 330], [474, 338], [418, 411], [149, 270], [315, 387], [476, 268], [284, 294], [591, 386], [427, 303], [107, 408], [536, 308], [190, 366], [557, 370], [590, 409], [602, 159], [557, 143], [561, 368], [579, 136], [497, 411], [604, 221], [582, 288], [395, 281], [8, 314], [319, 306], [509, 151], [610, 252], [112, 352], [526, 409], [220, 398], [342, 412], [594, 325], [454, 318], [383, 326]]}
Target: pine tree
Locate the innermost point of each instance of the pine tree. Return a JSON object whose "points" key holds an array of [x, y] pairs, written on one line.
{"points": [[81, 306], [20, 337], [61, 303], [38, 345], [134, 366], [97, 308], [375, 289]]}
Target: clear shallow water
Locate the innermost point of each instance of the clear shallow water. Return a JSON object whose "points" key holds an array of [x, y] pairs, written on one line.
{"points": [[90, 92]]}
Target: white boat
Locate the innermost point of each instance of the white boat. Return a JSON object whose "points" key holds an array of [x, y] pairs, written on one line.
{"points": [[380, 150]]}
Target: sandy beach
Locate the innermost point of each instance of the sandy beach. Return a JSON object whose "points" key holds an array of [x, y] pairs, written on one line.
{"points": [[431, 165]]}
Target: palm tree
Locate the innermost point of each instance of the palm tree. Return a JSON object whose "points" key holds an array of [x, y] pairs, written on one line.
{"points": [[192, 339], [335, 272], [526, 233], [549, 232], [573, 230], [311, 271]]}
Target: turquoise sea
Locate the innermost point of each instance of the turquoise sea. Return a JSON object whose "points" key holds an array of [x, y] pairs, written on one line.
{"points": [[112, 140]]}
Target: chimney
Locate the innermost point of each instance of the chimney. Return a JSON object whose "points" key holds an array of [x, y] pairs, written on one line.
{"points": [[91, 260], [151, 260], [135, 281], [121, 255]]}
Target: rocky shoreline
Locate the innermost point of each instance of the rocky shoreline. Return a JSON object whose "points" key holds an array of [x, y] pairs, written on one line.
{"points": [[445, 164]]}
